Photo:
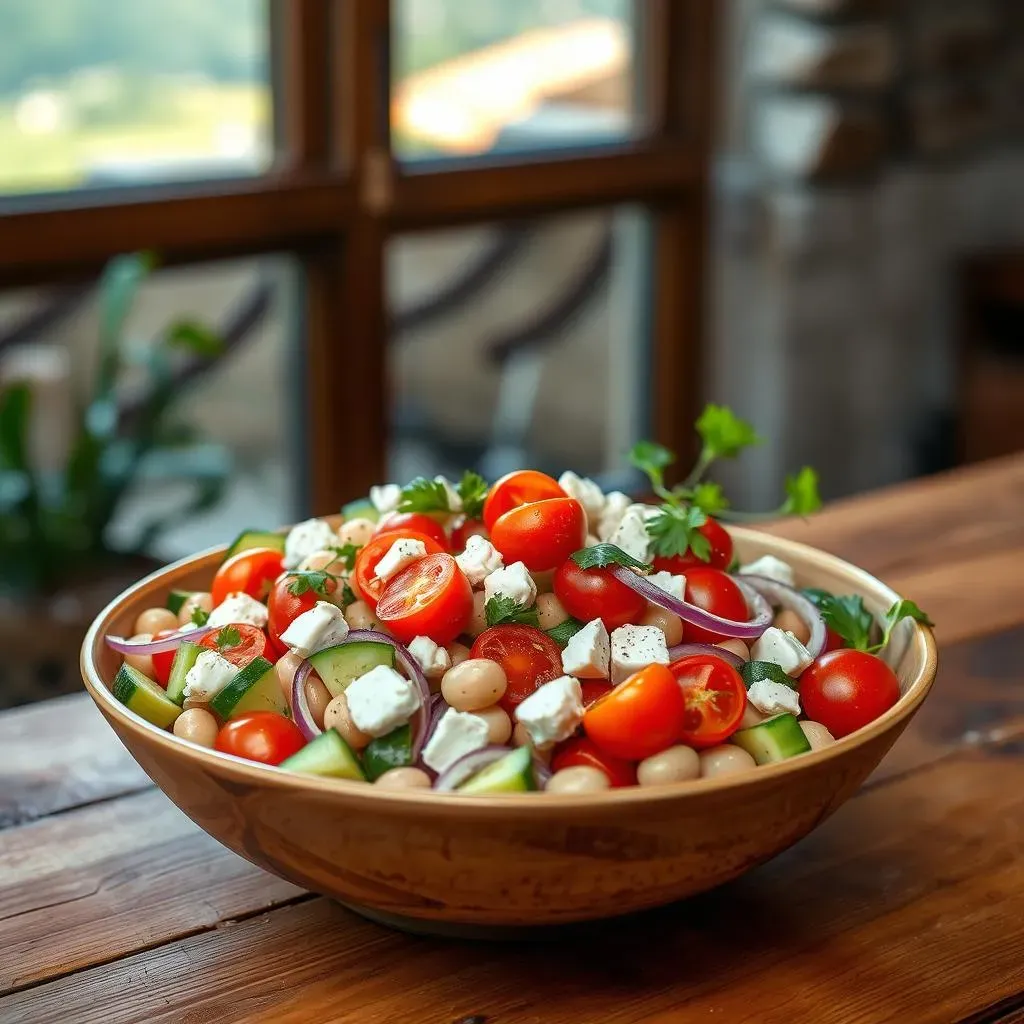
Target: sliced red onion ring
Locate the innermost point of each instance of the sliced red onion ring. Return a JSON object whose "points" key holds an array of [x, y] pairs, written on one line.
{"points": [[688, 650], [761, 612], [300, 706], [467, 766], [786, 597], [167, 643]]}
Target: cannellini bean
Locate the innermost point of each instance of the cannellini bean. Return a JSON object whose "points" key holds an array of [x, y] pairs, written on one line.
{"points": [[317, 698], [404, 778], [790, 622], [286, 668], [478, 620], [499, 725], [327, 560], [476, 683], [817, 735], [141, 662], [677, 764], [190, 604], [457, 652], [725, 760], [337, 717], [197, 726], [550, 612], [153, 620], [356, 531], [522, 738], [578, 779], [359, 615], [737, 646], [671, 625]]}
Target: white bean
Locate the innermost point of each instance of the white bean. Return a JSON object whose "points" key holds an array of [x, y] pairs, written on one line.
{"points": [[476, 683], [671, 625], [201, 600], [337, 717], [404, 778], [817, 735], [550, 612], [579, 778], [499, 725], [154, 620], [197, 726], [141, 662], [478, 620], [725, 760], [677, 764], [356, 531]]}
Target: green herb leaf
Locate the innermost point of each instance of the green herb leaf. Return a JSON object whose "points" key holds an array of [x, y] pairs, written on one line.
{"points": [[802, 497], [652, 459], [315, 580], [755, 671], [601, 555], [200, 616], [423, 495], [565, 631], [228, 637], [710, 498], [472, 489], [195, 337], [849, 618], [723, 433], [347, 596], [902, 609], [674, 531], [504, 611], [817, 596], [347, 554]]}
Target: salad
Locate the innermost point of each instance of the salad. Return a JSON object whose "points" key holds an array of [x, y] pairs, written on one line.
{"points": [[529, 634]]}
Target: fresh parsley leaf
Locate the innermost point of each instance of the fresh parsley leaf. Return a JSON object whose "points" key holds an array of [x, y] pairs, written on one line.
{"points": [[228, 637], [674, 531], [652, 459], [565, 631], [902, 609], [504, 611], [423, 495], [472, 489], [601, 555], [200, 616], [347, 596], [347, 554], [849, 618], [816, 596], [802, 497], [755, 671], [710, 498], [723, 433], [315, 580]]}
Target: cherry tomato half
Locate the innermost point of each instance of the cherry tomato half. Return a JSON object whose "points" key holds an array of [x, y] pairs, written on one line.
{"points": [[529, 657], [640, 717], [415, 521], [239, 643], [580, 751], [370, 587], [721, 552], [542, 534], [715, 699], [515, 489], [589, 594], [162, 662], [712, 590], [845, 690], [431, 597], [249, 572], [284, 607], [260, 736]]}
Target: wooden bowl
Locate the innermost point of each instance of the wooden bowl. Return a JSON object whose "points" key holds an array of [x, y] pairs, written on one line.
{"points": [[440, 863]]}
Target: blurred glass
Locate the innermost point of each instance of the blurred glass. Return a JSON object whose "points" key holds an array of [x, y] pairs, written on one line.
{"points": [[123, 92], [485, 76], [520, 345]]}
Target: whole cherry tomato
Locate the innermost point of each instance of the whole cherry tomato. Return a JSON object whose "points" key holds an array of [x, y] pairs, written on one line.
{"points": [[846, 690], [518, 488], [712, 590], [400, 522], [589, 594], [542, 534], [431, 597], [263, 736], [581, 751], [249, 572], [284, 605], [721, 552]]}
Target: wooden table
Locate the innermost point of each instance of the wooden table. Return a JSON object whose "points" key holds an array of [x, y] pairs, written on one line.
{"points": [[907, 905]]}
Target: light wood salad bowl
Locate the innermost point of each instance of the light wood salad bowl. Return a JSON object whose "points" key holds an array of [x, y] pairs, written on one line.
{"points": [[441, 863]]}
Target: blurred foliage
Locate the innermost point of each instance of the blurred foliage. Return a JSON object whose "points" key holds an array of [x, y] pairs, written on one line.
{"points": [[55, 525]]}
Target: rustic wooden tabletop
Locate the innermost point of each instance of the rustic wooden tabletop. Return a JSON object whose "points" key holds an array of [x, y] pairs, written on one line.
{"points": [[907, 905]]}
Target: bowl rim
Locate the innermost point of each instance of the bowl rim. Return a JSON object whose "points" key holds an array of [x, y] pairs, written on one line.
{"points": [[510, 805]]}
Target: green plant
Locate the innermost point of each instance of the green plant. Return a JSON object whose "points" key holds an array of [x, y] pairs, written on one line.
{"points": [[56, 525]]}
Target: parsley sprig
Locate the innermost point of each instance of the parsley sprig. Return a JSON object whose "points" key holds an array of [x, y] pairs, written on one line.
{"points": [[305, 580], [602, 555], [423, 495], [506, 611], [472, 489], [847, 616]]}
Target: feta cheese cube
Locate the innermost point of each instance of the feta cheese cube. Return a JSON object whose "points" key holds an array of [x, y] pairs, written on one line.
{"points": [[479, 560], [586, 492], [771, 568], [454, 501], [208, 676], [457, 734], [434, 660], [587, 654], [771, 698], [403, 552], [636, 647], [671, 583], [385, 497], [631, 534], [615, 505], [514, 582], [382, 700], [783, 649], [321, 627], [304, 539], [553, 711], [239, 608]]}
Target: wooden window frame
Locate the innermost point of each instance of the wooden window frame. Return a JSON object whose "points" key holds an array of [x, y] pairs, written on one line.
{"points": [[336, 195]]}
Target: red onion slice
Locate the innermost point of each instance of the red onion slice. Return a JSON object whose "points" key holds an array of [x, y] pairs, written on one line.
{"points": [[467, 766], [300, 706], [759, 608], [167, 643], [688, 650], [786, 597]]}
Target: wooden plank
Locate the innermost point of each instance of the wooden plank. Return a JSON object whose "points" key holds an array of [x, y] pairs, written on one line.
{"points": [[118, 877], [921, 918], [306, 38], [57, 755]]}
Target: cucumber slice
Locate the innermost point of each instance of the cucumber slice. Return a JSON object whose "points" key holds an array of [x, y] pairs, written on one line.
{"points": [[339, 666], [255, 688], [387, 752], [248, 539], [184, 659], [511, 774], [140, 694], [361, 509], [176, 598], [327, 755], [775, 740]]}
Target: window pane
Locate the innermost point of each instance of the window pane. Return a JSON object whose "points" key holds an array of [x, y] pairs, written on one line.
{"points": [[122, 92], [520, 345], [485, 76]]}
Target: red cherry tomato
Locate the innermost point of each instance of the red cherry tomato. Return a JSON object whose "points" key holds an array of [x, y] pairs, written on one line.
{"points": [[239, 643], [715, 699], [541, 535], [162, 662], [581, 751], [640, 717], [370, 587], [515, 489], [431, 597], [712, 590], [846, 690], [721, 552], [833, 641], [529, 657], [589, 594], [261, 736], [284, 607], [594, 690], [249, 572], [399, 522], [464, 530]]}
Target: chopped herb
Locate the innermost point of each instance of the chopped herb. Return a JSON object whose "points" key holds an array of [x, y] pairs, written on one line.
{"points": [[504, 611], [472, 489], [316, 580], [903, 609], [228, 637], [653, 459], [816, 596], [200, 616], [802, 497], [848, 617], [756, 671], [709, 498], [601, 555], [674, 531], [423, 495], [723, 433], [565, 631], [347, 554], [347, 596]]}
